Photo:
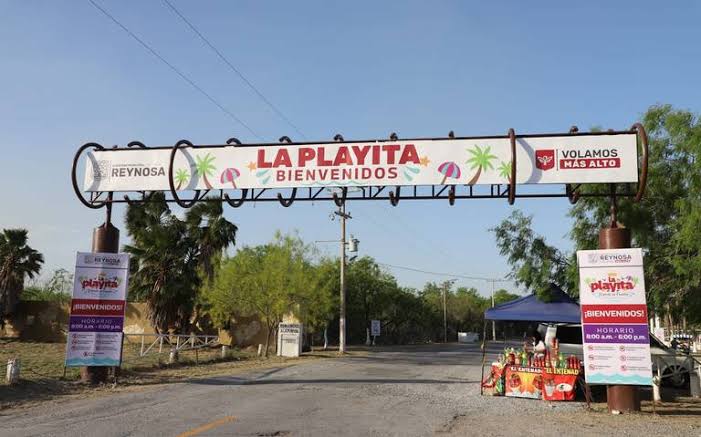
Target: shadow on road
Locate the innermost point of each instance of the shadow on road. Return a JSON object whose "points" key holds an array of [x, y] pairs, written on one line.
{"points": [[239, 381]]}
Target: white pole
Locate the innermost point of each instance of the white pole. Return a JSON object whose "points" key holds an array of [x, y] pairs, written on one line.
{"points": [[494, 326], [13, 370], [326, 337], [657, 382], [695, 381]]}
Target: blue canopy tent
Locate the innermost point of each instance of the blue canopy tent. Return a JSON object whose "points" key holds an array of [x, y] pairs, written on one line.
{"points": [[561, 308]]}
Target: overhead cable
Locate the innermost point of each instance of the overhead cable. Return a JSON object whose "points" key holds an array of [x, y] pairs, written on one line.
{"points": [[234, 69], [176, 70]]}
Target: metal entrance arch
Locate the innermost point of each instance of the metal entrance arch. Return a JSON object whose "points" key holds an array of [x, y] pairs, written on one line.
{"points": [[158, 173], [236, 197]]}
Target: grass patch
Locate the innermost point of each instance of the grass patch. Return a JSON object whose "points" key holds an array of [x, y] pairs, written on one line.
{"points": [[45, 360], [42, 371]]}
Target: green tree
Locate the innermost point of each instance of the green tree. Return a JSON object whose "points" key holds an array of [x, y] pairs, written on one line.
{"points": [[269, 281], [18, 262], [61, 281], [465, 308], [368, 289], [56, 289], [665, 224], [534, 263], [317, 317], [502, 296], [172, 257]]}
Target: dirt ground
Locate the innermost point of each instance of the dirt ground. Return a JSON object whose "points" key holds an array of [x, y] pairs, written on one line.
{"points": [[679, 418], [391, 391]]}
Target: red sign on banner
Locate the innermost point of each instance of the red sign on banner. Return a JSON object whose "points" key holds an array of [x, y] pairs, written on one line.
{"points": [[631, 313], [559, 384], [545, 159], [94, 307]]}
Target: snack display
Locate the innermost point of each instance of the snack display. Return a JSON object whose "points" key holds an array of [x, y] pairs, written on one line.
{"points": [[494, 383], [523, 382], [551, 376]]}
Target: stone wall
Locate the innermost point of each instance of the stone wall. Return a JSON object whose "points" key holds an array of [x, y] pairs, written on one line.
{"points": [[48, 321], [250, 331]]}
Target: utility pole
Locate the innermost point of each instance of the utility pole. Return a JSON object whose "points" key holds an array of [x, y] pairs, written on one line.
{"points": [[342, 317], [353, 248], [445, 315]]}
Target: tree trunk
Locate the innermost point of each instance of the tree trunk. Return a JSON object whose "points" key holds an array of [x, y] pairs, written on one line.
{"points": [[267, 341], [476, 177], [207, 184]]}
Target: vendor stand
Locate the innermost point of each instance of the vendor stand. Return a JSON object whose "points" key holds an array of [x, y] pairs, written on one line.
{"points": [[521, 372]]}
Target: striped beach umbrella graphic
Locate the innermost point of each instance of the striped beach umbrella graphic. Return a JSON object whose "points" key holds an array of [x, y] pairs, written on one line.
{"points": [[230, 175], [449, 169]]}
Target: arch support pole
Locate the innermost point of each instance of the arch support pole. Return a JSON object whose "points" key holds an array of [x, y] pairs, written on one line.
{"points": [[105, 239], [620, 398]]}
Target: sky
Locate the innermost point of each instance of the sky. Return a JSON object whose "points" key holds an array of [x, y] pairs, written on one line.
{"points": [[364, 69]]}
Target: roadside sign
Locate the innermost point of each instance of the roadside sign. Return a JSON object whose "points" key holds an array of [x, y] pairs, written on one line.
{"points": [[615, 335], [97, 310], [289, 339], [375, 328]]}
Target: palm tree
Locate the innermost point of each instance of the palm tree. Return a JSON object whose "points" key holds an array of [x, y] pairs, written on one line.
{"points": [[211, 232], [480, 160], [205, 167], [181, 177], [505, 170], [17, 262], [170, 257]]}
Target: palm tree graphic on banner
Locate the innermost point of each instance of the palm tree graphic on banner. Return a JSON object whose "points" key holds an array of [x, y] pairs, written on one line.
{"points": [[504, 170], [205, 167], [481, 160], [181, 178]]}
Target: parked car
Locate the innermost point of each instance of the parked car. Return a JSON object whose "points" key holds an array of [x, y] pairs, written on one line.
{"points": [[675, 366]]}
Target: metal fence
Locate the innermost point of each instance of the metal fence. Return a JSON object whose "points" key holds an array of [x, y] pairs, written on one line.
{"points": [[152, 342]]}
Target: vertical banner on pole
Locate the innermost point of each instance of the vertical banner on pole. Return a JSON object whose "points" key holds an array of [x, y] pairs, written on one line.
{"points": [[97, 309], [615, 333]]}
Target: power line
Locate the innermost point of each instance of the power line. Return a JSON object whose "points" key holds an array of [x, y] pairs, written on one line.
{"points": [[175, 69], [438, 250], [451, 275], [419, 235], [234, 69]]}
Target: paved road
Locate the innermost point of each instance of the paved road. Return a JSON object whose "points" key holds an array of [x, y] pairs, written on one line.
{"points": [[398, 391]]}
